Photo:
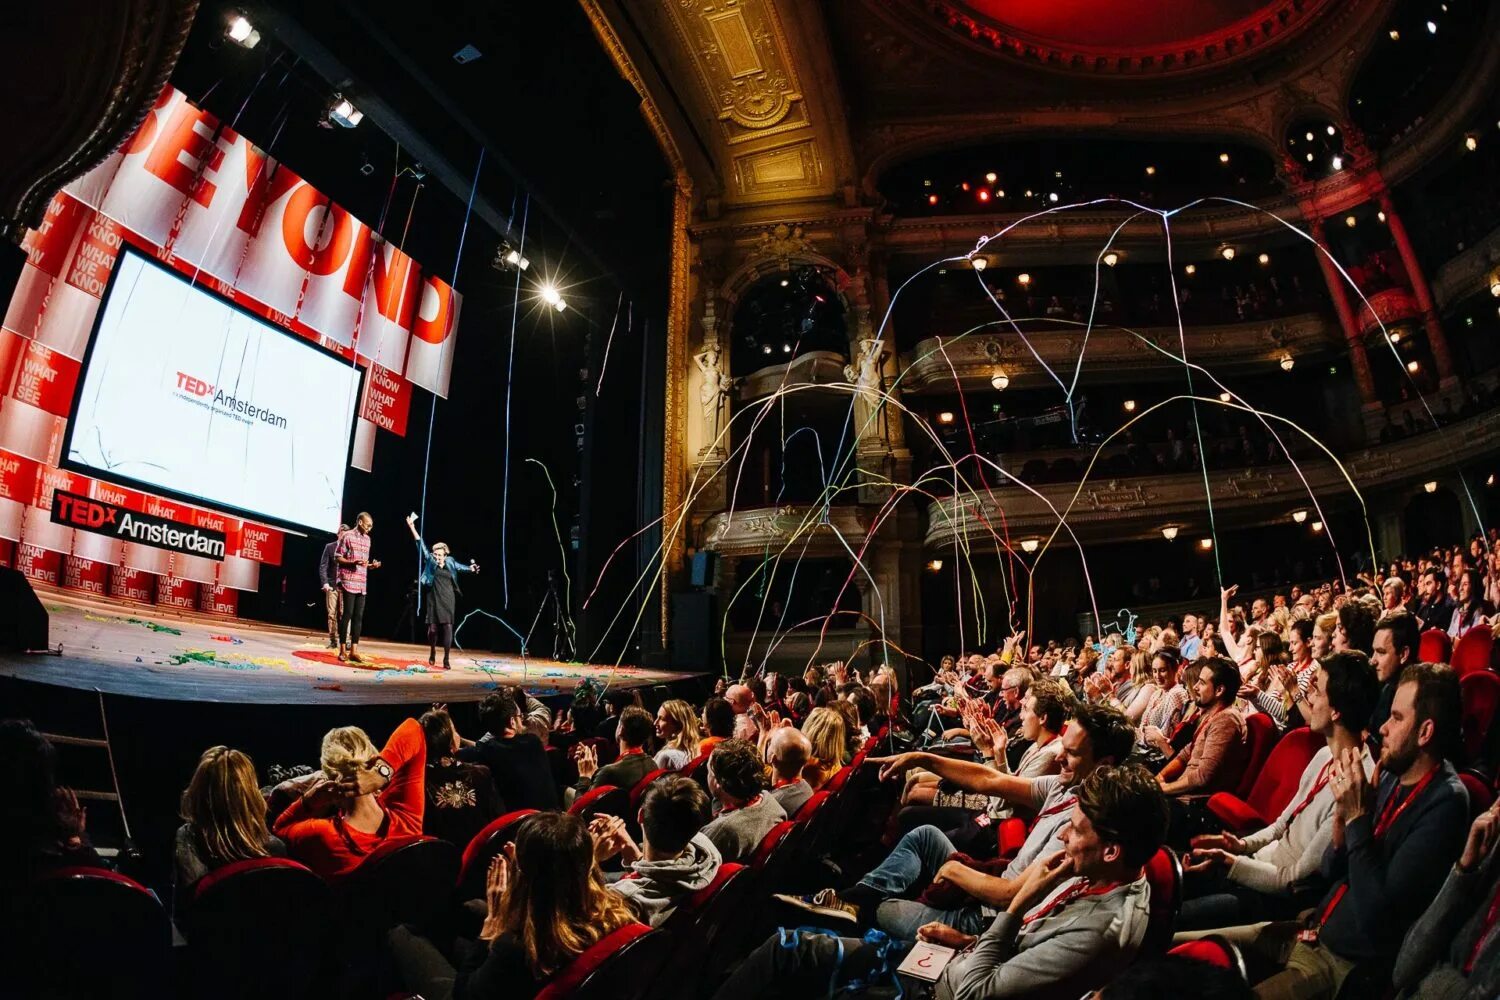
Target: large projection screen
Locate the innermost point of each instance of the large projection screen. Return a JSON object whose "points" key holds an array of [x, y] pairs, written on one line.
{"points": [[184, 394]]}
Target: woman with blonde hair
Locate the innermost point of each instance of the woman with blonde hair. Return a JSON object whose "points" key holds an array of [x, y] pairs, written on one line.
{"points": [[224, 818], [546, 903], [366, 797], [826, 731], [677, 728], [1143, 680]]}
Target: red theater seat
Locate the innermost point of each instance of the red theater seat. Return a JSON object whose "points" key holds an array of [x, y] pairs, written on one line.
{"points": [[473, 869], [606, 799], [1472, 651], [1436, 646], [638, 792], [406, 880], [1275, 784], [812, 805], [697, 769], [1481, 796], [1481, 699], [257, 928], [1216, 951], [1260, 738], [620, 966], [838, 780], [1164, 873], [88, 932], [705, 929], [1010, 835]]}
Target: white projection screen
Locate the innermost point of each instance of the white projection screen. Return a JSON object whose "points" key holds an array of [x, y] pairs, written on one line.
{"points": [[187, 395]]}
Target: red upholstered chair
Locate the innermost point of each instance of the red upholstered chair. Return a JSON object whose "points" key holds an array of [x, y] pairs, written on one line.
{"points": [[1481, 795], [1260, 739], [406, 880], [773, 859], [257, 928], [605, 750], [1472, 650], [606, 799], [638, 791], [623, 965], [1275, 784], [838, 780], [697, 769], [88, 932], [474, 867], [1164, 873], [1436, 646], [707, 928], [1010, 835], [1481, 700], [1214, 950], [812, 805]]}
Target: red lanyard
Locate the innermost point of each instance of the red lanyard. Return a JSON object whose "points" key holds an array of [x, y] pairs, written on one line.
{"points": [[1074, 891], [1067, 803], [1490, 919], [1387, 819], [1318, 786], [747, 805]]}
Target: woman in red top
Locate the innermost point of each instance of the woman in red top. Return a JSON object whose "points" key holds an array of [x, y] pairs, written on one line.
{"points": [[365, 798]]}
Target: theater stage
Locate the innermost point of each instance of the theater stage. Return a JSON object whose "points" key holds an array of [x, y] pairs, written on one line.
{"points": [[160, 653]]}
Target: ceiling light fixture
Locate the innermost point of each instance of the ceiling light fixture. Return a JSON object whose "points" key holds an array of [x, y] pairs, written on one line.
{"points": [[1309, 137], [1227, 252], [343, 112], [1299, 516], [1223, 157], [946, 417], [1264, 258], [1350, 221], [1430, 486], [936, 565], [1029, 544], [1023, 278], [979, 263], [1338, 162], [1190, 270], [1169, 532], [991, 177], [1000, 380], [1471, 142], [1432, 27], [1150, 171], [1224, 397], [1111, 258], [1495, 287], [1287, 361], [1395, 35], [1316, 526], [1205, 544], [984, 194], [1380, 216], [1332, 130], [1129, 406], [932, 199], [1414, 366]]}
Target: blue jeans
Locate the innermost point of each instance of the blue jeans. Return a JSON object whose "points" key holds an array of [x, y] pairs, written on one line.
{"points": [[901, 918], [915, 858]]}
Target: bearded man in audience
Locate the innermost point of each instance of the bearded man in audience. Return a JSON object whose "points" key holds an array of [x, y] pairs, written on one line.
{"points": [[1075, 920]]}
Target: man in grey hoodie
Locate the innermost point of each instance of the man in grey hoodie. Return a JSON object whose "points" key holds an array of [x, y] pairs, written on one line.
{"points": [[674, 859]]}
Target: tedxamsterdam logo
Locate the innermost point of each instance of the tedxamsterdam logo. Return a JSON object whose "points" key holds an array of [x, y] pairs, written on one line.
{"points": [[207, 394], [111, 519]]}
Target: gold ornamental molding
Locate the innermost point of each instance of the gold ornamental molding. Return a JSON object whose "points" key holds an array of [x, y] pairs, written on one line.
{"points": [[1138, 507], [975, 358], [752, 532]]}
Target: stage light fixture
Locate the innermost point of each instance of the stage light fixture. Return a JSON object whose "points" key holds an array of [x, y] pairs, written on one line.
{"points": [[1264, 258], [509, 258], [1309, 157], [1205, 544], [1430, 486], [343, 112], [1287, 361], [1316, 526], [984, 194], [927, 182], [1030, 193], [946, 417], [991, 177], [964, 186], [550, 295], [935, 565], [1413, 366], [241, 32], [1029, 545], [1299, 516], [1129, 406], [1023, 278], [1111, 259], [1227, 253], [980, 263], [1052, 197], [1169, 532], [1000, 381], [1000, 193]]}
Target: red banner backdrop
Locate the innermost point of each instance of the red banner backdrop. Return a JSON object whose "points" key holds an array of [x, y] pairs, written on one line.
{"points": [[205, 199]]}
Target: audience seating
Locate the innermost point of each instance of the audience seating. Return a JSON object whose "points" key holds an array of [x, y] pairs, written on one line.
{"points": [[1260, 739], [1274, 784], [623, 965], [487, 843], [604, 750], [697, 769], [705, 930], [1010, 835], [1215, 950], [1472, 650], [89, 932], [1481, 700], [638, 792], [606, 799], [813, 803], [1481, 796], [406, 880], [256, 928], [1164, 873], [1436, 646]]}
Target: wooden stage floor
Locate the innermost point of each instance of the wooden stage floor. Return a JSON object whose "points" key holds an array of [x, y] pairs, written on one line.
{"points": [[153, 652]]}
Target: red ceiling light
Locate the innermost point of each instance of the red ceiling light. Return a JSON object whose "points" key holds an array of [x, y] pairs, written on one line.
{"points": [[984, 194], [932, 199]]}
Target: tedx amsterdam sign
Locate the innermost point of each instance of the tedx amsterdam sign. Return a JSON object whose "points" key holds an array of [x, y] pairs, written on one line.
{"points": [[132, 526]]}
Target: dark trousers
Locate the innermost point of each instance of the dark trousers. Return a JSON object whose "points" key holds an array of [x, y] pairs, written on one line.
{"points": [[809, 967], [439, 632], [354, 616], [1212, 901]]}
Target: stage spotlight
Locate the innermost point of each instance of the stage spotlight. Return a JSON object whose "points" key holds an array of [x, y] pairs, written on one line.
{"points": [[241, 32], [1052, 197], [1394, 336], [766, 348], [1299, 516], [1380, 216], [1287, 361], [1000, 193], [1432, 27], [550, 295], [786, 348], [1309, 137], [1495, 287], [1491, 480], [1169, 532], [1395, 35], [343, 112], [784, 282], [1000, 381], [1029, 544], [932, 199]]}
